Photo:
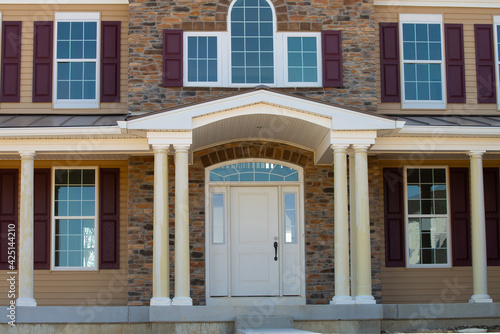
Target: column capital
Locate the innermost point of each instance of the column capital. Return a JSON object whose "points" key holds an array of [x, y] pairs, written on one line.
{"points": [[360, 147], [161, 148], [477, 153], [340, 148], [27, 155], [182, 148]]}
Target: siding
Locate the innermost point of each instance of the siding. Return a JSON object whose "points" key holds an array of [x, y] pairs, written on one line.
{"points": [[441, 285], [46, 13], [104, 287], [466, 16]]}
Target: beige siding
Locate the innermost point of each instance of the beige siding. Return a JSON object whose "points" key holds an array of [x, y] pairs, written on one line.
{"points": [[103, 287], [46, 13], [466, 16], [448, 285]]}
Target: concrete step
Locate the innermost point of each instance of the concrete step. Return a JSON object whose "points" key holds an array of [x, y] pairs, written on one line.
{"points": [[272, 331]]}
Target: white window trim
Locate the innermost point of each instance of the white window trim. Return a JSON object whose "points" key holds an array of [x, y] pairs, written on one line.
{"points": [[496, 21], [219, 36], [319, 81], [53, 221], [78, 104], [416, 104], [448, 225]]}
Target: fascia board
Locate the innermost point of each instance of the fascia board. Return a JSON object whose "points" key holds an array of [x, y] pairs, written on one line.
{"points": [[434, 144], [74, 145], [451, 130], [60, 131]]}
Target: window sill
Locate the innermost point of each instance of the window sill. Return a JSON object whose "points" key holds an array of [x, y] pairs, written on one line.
{"points": [[76, 104], [441, 105]]}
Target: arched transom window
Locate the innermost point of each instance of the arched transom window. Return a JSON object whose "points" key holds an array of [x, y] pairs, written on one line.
{"points": [[254, 172]]}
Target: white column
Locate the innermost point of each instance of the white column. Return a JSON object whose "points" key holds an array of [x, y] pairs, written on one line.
{"points": [[363, 250], [161, 270], [182, 272], [26, 231], [352, 223], [342, 295], [478, 230]]}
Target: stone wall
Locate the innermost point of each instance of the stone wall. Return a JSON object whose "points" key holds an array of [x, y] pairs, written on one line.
{"points": [[149, 17], [319, 224]]}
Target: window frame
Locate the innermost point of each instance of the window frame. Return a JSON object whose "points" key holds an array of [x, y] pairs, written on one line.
{"points": [[407, 216], [219, 36], [53, 266], [83, 103], [422, 19], [319, 81], [496, 46]]}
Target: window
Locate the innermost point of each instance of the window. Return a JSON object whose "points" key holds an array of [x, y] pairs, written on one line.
{"points": [[422, 61], [427, 220], [497, 55], [75, 217], [252, 52], [76, 68], [254, 172]]}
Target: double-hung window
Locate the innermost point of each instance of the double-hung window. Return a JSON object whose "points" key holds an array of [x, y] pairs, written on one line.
{"points": [[75, 218], [422, 61], [427, 218], [76, 60], [202, 52]]}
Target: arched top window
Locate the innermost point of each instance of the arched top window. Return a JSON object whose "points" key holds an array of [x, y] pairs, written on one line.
{"points": [[254, 172]]}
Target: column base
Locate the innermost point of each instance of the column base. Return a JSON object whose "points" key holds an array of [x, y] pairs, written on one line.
{"points": [[182, 301], [160, 301], [30, 302], [480, 299], [365, 300], [342, 300]]}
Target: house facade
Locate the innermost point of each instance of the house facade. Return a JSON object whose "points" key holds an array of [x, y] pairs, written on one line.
{"points": [[208, 166]]}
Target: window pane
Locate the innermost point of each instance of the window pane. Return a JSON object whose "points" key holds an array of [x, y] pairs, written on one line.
{"points": [[77, 30], [89, 50], [218, 219], [234, 171], [89, 90], [76, 71], [63, 30], [290, 218], [76, 51], [89, 71], [90, 30], [302, 63], [63, 89], [408, 32], [62, 49]]}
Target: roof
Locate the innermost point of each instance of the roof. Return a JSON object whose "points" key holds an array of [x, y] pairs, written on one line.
{"points": [[40, 120], [450, 120]]}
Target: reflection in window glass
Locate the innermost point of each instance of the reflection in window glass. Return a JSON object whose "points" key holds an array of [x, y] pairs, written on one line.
{"points": [[290, 218], [426, 191], [218, 218], [75, 216], [254, 172]]}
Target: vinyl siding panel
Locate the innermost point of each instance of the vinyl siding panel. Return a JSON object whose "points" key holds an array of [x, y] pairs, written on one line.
{"points": [[466, 16], [46, 13], [103, 287]]}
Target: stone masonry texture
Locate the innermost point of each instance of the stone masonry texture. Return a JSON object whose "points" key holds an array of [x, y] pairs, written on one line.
{"points": [[319, 224], [148, 18]]}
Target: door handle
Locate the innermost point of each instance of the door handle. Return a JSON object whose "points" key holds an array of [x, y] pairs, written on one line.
{"points": [[275, 251]]}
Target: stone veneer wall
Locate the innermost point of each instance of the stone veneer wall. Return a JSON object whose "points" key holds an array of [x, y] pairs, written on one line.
{"points": [[319, 225], [149, 17]]}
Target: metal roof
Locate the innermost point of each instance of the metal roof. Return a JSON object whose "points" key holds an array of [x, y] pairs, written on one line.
{"points": [[451, 120], [28, 121]]}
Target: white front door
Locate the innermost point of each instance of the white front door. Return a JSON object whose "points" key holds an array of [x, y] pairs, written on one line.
{"points": [[254, 230]]}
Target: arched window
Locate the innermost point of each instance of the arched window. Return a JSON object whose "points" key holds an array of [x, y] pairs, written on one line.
{"points": [[252, 42], [254, 172]]}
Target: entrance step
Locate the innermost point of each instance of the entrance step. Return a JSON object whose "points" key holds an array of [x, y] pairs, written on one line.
{"points": [[272, 331], [266, 325]]}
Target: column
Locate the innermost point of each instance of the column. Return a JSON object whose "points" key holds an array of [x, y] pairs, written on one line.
{"points": [[25, 247], [342, 295], [352, 222], [478, 230], [161, 270], [182, 272], [362, 218]]}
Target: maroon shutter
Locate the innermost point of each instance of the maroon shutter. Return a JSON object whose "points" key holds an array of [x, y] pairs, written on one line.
{"points": [[110, 61], [41, 214], [394, 217], [42, 61], [485, 63], [389, 62], [172, 58], [460, 216], [455, 63], [11, 62], [8, 215], [332, 58], [492, 212], [109, 218]]}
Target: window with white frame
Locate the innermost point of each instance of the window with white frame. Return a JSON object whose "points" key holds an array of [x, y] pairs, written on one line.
{"points": [[76, 60], [252, 52], [497, 55], [75, 217], [422, 61], [427, 219]]}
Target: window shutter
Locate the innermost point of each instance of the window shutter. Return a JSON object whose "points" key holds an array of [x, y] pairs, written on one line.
{"points": [[455, 63], [42, 61], [485, 63], [460, 216], [332, 58], [172, 58], [492, 212], [389, 62], [41, 212], [394, 217], [8, 214], [11, 62], [109, 218], [110, 61]]}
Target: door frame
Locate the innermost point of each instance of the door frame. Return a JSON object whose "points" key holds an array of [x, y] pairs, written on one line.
{"points": [[209, 186]]}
